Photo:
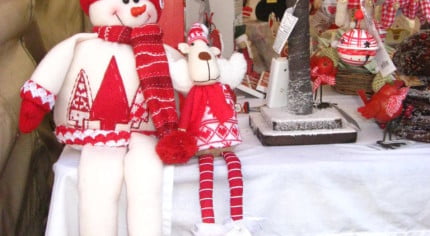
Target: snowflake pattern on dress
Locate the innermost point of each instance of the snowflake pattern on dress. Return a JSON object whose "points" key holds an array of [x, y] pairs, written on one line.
{"points": [[213, 134]]}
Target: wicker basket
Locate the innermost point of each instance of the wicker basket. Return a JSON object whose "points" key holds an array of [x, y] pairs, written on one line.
{"points": [[349, 82]]}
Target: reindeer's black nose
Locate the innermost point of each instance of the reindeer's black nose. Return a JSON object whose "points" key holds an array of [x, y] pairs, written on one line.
{"points": [[204, 56]]}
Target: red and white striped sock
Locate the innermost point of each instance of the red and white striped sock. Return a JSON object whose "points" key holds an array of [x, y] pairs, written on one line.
{"points": [[235, 181], [206, 167]]}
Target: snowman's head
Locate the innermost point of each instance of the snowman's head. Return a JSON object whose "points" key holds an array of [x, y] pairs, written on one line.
{"points": [[131, 13]]}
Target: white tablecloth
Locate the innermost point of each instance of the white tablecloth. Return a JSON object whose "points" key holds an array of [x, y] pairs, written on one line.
{"points": [[336, 189]]}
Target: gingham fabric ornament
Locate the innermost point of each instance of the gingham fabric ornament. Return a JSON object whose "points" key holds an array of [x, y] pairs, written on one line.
{"points": [[357, 47], [353, 4], [321, 79], [409, 8], [323, 71], [381, 30]]}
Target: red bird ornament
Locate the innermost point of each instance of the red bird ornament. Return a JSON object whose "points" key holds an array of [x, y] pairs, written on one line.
{"points": [[323, 72], [385, 105]]}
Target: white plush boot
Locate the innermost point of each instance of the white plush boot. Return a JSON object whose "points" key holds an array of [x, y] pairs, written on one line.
{"points": [[208, 229], [237, 228]]}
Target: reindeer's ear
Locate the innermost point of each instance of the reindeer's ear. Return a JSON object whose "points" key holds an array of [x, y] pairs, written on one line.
{"points": [[215, 50], [184, 48]]}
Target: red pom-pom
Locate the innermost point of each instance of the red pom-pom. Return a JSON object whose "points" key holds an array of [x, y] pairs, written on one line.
{"points": [[176, 147]]}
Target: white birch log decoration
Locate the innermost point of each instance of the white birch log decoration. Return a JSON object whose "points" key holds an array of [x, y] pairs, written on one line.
{"points": [[299, 96]]}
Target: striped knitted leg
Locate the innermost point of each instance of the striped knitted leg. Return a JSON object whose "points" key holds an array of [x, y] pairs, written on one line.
{"points": [[236, 185], [206, 166]]}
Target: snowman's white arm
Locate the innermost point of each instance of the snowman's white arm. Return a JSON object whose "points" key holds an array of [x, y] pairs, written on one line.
{"points": [[232, 70], [178, 67], [52, 70]]}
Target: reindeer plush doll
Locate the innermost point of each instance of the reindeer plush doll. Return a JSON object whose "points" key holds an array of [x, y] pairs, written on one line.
{"points": [[208, 113], [113, 98]]}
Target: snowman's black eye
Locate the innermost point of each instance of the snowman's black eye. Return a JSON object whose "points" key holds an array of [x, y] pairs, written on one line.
{"points": [[136, 1], [126, 1]]}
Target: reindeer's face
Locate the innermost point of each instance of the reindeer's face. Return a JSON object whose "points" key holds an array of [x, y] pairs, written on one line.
{"points": [[202, 62]]}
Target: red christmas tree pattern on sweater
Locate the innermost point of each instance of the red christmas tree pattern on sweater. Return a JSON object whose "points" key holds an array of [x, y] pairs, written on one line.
{"points": [[111, 111], [139, 111], [81, 102]]}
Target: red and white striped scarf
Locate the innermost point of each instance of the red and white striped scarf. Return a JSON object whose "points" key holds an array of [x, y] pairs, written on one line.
{"points": [[152, 68]]}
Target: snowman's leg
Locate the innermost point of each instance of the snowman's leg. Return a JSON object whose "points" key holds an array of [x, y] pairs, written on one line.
{"points": [[206, 167], [100, 176], [143, 178], [236, 185]]}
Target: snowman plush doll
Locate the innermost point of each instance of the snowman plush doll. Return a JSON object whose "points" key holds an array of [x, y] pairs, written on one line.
{"points": [[208, 113], [112, 97]]}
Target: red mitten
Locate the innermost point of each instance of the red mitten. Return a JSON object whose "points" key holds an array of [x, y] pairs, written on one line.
{"points": [[176, 147], [31, 115]]}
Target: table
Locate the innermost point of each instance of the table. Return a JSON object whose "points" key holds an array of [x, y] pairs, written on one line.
{"points": [[336, 189]]}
